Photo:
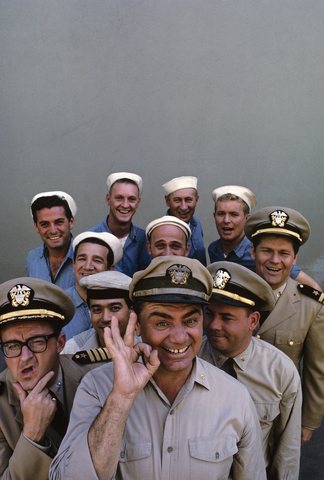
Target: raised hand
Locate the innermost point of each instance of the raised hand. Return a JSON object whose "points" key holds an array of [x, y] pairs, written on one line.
{"points": [[38, 408], [130, 375]]}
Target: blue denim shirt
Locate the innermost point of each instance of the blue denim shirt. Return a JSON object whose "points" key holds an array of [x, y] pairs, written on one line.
{"points": [[81, 320], [241, 254], [135, 255], [37, 265]]}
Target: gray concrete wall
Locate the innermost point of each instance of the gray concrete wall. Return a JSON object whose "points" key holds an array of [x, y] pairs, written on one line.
{"points": [[228, 90]]}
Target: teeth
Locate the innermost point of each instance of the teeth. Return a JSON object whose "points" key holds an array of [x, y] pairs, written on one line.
{"points": [[177, 350]]}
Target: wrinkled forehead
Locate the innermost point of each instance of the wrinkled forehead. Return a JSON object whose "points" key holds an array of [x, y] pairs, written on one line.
{"points": [[184, 193], [26, 329], [125, 187]]}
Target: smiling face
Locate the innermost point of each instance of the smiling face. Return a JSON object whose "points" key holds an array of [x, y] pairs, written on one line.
{"points": [[90, 258], [29, 367], [123, 200], [175, 330], [229, 329], [54, 227], [101, 312], [274, 257], [230, 220], [182, 203], [167, 240]]}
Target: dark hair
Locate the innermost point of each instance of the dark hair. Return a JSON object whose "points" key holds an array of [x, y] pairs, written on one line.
{"points": [[110, 256], [50, 202], [295, 243]]}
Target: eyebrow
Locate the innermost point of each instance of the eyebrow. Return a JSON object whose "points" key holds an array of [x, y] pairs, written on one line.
{"points": [[167, 315]]}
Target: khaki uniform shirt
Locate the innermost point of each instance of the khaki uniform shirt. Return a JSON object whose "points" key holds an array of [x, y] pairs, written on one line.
{"points": [[20, 458], [209, 432], [296, 326], [274, 385]]}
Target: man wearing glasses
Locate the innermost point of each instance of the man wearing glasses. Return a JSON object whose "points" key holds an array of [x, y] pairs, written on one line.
{"points": [[38, 387]]}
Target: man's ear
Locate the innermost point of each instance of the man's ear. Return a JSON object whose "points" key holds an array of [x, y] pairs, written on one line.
{"points": [[254, 320], [167, 200], [252, 251], [148, 246], [138, 328], [61, 340], [71, 223]]}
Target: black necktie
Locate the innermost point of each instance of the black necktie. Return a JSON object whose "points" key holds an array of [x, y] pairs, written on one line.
{"points": [[60, 420], [228, 367]]}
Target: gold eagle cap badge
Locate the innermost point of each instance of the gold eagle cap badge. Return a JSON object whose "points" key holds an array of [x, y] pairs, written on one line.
{"points": [[221, 278], [278, 218], [20, 295], [179, 274]]}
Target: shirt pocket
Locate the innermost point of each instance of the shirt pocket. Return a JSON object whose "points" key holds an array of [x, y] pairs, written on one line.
{"points": [[136, 458], [212, 457], [267, 413], [290, 342]]}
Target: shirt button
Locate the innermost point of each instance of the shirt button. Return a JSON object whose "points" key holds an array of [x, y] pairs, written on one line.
{"points": [[258, 336], [122, 454], [169, 449], [291, 343]]}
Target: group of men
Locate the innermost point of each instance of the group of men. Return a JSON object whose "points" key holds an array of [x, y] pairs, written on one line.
{"points": [[144, 299]]}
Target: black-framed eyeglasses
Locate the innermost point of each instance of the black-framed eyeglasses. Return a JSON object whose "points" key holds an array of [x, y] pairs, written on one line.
{"points": [[37, 344]]}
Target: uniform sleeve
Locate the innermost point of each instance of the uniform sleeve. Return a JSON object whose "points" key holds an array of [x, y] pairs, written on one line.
{"points": [[73, 459], [26, 462], [313, 373], [285, 459], [249, 463]]}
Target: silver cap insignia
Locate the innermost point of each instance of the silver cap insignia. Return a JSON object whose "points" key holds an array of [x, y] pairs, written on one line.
{"points": [[221, 278], [278, 218], [179, 274], [19, 295]]}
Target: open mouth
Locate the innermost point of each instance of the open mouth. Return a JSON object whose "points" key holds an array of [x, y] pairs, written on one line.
{"points": [[26, 372], [176, 351]]}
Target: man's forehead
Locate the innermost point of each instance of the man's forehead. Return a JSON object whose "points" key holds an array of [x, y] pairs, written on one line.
{"points": [[184, 192], [90, 246], [280, 241], [170, 307], [168, 230], [234, 205], [34, 327], [103, 302], [55, 211], [125, 186]]}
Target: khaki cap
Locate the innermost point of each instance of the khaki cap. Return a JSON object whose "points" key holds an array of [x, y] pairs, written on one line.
{"points": [[112, 242], [62, 195], [178, 183], [113, 177], [281, 221], [108, 284], [27, 298], [172, 279], [168, 220], [241, 192], [237, 285]]}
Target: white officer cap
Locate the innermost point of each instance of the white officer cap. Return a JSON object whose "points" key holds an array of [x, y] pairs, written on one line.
{"points": [[113, 177], [241, 192], [108, 284], [168, 220], [112, 242], [178, 183], [63, 195]]}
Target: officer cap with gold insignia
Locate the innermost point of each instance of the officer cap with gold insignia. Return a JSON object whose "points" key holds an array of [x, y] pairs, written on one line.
{"points": [[236, 285], [112, 243], [242, 192], [172, 279], [62, 195], [26, 298], [114, 177], [179, 183], [281, 221], [107, 284], [168, 220]]}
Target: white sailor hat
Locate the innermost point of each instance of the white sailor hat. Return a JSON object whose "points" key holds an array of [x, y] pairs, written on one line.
{"points": [[25, 298], [178, 183], [168, 220], [108, 284], [236, 285], [172, 279], [242, 192], [281, 221], [112, 242], [62, 195], [113, 177]]}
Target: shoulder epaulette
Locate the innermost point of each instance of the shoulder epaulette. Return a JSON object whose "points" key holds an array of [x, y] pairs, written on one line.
{"points": [[311, 292], [93, 355]]}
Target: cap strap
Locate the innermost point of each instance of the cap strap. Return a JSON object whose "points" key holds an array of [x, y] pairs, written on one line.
{"points": [[30, 313], [277, 230], [234, 296]]}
